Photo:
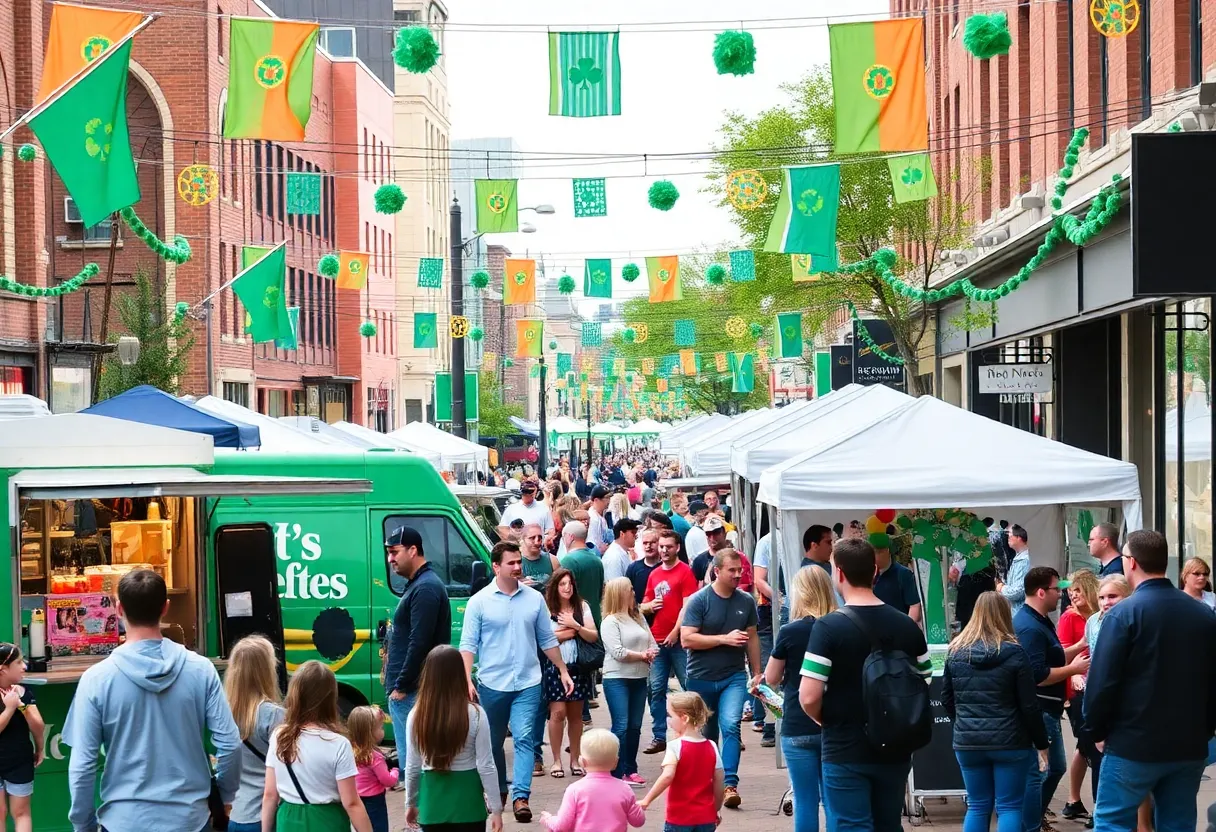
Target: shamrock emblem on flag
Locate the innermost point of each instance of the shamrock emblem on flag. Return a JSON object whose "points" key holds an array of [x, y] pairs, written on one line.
{"points": [[598, 276], [911, 176], [810, 202], [355, 266], [424, 328], [879, 81], [520, 278], [496, 202], [270, 71], [585, 73], [271, 299], [664, 275], [529, 334], [94, 47], [97, 138], [790, 332]]}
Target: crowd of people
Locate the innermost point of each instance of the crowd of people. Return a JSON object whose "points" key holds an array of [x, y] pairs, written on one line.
{"points": [[620, 594]]}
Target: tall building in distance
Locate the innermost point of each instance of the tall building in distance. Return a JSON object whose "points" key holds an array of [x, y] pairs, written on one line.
{"points": [[362, 29], [422, 128]]}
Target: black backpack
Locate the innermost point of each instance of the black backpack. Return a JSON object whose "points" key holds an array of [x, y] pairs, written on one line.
{"points": [[896, 697]]}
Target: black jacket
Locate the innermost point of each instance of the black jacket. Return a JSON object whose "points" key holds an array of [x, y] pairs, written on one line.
{"points": [[423, 620], [1151, 691], [990, 695]]}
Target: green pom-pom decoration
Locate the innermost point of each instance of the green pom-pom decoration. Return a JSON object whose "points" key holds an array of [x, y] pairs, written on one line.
{"points": [[987, 35], [1174, 128], [884, 259], [734, 53], [27, 153], [416, 50], [1056, 203], [566, 285], [476, 333], [480, 280], [663, 195], [715, 275], [508, 362], [178, 253], [179, 311], [552, 345], [756, 330], [367, 329], [630, 335], [329, 265], [630, 272], [389, 199]]}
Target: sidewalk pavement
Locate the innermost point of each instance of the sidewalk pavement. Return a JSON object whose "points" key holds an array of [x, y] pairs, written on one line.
{"points": [[761, 785]]}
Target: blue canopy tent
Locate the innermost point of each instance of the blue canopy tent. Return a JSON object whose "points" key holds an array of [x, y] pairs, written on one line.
{"points": [[151, 406]]}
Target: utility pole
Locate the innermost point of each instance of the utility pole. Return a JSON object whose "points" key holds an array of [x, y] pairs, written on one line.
{"points": [[588, 430], [543, 445], [459, 427]]}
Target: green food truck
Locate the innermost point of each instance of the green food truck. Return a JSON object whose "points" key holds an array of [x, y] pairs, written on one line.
{"points": [[290, 546]]}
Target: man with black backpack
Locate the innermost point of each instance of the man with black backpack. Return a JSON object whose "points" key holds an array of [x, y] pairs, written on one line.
{"points": [[864, 679]]}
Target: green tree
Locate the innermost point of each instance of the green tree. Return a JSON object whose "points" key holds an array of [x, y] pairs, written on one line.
{"points": [[164, 344], [494, 415], [802, 132]]}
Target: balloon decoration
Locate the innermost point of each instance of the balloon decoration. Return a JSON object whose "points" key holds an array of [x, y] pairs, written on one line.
{"points": [[197, 184], [734, 53], [875, 525], [458, 326], [886, 515]]}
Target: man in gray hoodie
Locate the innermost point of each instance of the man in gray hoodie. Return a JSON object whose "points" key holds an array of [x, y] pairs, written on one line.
{"points": [[150, 704]]}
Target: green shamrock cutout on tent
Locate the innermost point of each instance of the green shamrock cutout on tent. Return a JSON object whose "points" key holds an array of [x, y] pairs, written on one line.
{"points": [[585, 73], [911, 176], [810, 202]]}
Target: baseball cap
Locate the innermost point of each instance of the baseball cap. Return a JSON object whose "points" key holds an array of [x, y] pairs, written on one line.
{"points": [[712, 523], [599, 492], [696, 506], [403, 536]]}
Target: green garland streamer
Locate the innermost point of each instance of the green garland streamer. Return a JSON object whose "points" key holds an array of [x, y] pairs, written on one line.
{"points": [[1078, 231], [180, 310], [178, 253], [68, 286]]}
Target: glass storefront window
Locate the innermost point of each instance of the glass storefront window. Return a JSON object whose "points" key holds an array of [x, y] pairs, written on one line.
{"points": [[1188, 432], [71, 389]]}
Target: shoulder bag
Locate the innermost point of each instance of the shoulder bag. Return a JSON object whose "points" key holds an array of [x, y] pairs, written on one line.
{"points": [[591, 654]]}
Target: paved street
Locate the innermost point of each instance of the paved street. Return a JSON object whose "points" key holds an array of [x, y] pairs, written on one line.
{"points": [[761, 785]]}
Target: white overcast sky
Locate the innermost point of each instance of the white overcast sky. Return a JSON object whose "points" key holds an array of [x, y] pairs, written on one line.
{"points": [[672, 101]]}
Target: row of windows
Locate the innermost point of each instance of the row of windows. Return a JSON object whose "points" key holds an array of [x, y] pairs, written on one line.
{"points": [[379, 244], [385, 341], [315, 295], [377, 158], [271, 164]]}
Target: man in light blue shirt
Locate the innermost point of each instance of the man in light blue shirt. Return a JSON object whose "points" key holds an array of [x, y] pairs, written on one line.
{"points": [[1014, 587], [504, 626], [150, 704]]}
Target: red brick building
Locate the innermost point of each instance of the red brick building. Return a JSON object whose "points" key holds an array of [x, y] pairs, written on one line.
{"points": [[176, 101]]}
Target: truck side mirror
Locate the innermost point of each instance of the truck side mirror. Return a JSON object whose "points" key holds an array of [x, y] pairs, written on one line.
{"points": [[481, 576]]}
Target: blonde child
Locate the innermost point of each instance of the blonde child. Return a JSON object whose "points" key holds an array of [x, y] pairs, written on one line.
{"points": [[598, 802], [695, 800], [19, 722], [365, 726]]}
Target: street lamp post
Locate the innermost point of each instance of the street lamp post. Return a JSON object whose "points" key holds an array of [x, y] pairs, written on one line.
{"points": [[542, 456]]}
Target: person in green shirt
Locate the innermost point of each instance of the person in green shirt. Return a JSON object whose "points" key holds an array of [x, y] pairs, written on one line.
{"points": [[584, 563]]}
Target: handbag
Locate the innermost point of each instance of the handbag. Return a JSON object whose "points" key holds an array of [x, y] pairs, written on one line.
{"points": [[590, 655], [215, 804]]}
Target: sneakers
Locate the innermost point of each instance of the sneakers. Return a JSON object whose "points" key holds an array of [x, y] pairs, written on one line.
{"points": [[523, 813], [1089, 824], [787, 807], [655, 747], [635, 779], [1074, 811], [732, 799], [768, 742]]}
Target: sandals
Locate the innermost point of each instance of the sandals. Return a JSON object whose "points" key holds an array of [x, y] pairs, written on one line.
{"points": [[577, 771], [557, 772]]}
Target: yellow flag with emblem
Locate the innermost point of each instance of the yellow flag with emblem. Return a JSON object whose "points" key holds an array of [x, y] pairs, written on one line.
{"points": [[519, 282], [352, 274]]}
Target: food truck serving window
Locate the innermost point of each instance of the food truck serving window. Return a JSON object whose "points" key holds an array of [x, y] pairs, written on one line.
{"points": [[80, 530]]}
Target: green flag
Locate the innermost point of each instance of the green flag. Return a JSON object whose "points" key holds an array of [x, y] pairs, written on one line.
{"points": [[291, 341], [260, 288], [742, 372], [805, 219], [249, 256], [912, 177], [84, 134], [426, 330], [789, 335], [584, 74], [597, 279], [497, 205]]}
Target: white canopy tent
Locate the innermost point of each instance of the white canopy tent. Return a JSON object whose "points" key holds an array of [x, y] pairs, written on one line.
{"points": [[720, 433], [929, 454], [671, 441], [277, 437], [712, 459], [81, 440], [453, 450], [357, 436], [375, 439], [565, 426], [644, 427], [1196, 430], [606, 429]]}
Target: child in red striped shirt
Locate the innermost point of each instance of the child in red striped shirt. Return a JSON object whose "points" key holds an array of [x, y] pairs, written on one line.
{"points": [[694, 801]]}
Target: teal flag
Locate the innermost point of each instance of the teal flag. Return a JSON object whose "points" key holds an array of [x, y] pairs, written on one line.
{"points": [[590, 198], [742, 372], [304, 193], [584, 74], [789, 335], [291, 342], [685, 332], [597, 279], [565, 361], [592, 334], [805, 219], [430, 273], [426, 330], [742, 266], [912, 177]]}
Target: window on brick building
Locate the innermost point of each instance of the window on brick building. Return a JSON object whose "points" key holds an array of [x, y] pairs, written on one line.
{"points": [[236, 392], [1196, 46], [219, 32], [257, 176], [338, 41], [366, 171], [280, 185]]}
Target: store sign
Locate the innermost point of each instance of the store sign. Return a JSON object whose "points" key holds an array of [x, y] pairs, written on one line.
{"points": [[870, 369], [842, 365], [1015, 378], [1020, 398], [302, 578]]}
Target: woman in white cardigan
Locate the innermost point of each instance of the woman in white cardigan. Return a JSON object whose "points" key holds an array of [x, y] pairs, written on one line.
{"points": [[629, 649]]}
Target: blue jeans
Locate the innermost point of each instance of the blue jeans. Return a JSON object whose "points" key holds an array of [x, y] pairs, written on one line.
{"points": [[398, 712], [518, 708], [377, 812], [864, 796], [669, 659], [995, 779], [538, 730], [725, 699], [1041, 785], [626, 700], [803, 762], [233, 826], [1125, 783]]}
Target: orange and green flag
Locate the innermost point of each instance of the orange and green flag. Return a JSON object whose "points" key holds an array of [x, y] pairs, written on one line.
{"points": [[519, 284], [664, 276], [269, 78], [79, 36], [352, 274], [529, 338], [878, 85], [688, 362]]}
